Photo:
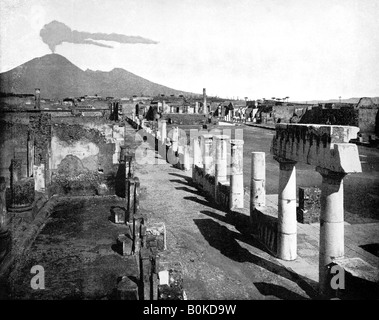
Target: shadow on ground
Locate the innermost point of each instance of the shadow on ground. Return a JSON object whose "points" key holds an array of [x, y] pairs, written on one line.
{"points": [[225, 240]]}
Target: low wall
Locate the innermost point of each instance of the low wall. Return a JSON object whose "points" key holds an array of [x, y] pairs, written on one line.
{"points": [[186, 119], [341, 117]]}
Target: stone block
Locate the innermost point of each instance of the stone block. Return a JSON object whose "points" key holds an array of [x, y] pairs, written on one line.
{"points": [[158, 230], [309, 207], [119, 215], [127, 289], [322, 146], [125, 244], [171, 285]]}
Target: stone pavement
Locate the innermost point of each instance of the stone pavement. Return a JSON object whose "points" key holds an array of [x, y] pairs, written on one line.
{"points": [[220, 257], [356, 236]]}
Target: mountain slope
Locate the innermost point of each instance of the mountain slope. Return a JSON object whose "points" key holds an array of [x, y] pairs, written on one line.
{"points": [[58, 78]]}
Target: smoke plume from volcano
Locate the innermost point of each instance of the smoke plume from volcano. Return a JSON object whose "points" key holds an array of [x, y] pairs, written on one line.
{"points": [[55, 33]]}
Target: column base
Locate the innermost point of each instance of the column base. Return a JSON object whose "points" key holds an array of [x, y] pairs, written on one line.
{"points": [[287, 246]]}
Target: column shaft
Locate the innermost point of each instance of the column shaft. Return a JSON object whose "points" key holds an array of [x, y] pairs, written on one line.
{"points": [[287, 222], [221, 153], [236, 175], [163, 130], [206, 143], [257, 184], [4, 218], [331, 223]]}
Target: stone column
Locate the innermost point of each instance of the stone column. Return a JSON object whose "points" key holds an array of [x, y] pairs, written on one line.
{"points": [[196, 110], [30, 147], [175, 139], [221, 153], [196, 157], [5, 233], [257, 184], [15, 171], [186, 158], [196, 152], [236, 175], [206, 146], [204, 101], [163, 130], [287, 222], [4, 218], [331, 223]]}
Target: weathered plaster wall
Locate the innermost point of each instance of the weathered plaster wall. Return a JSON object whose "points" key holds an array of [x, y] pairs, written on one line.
{"points": [[367, 118], [85, 155]]}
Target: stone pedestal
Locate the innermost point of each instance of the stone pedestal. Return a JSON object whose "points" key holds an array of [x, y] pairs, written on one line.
{"points": [[236, 175], [331, 223], [287, 222], [127, 289]]}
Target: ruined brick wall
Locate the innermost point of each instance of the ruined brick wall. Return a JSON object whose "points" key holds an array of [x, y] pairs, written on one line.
{"points": [[342, 117], [285, 113], [367, 117], [85, 154]]}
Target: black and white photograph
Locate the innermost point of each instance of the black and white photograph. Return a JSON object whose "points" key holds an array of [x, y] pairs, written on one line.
{"points": [[190, 155]]}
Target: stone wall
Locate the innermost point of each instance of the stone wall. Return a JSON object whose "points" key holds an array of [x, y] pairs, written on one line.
{"points": [[343, 117], [85, 156], [186, 119]]}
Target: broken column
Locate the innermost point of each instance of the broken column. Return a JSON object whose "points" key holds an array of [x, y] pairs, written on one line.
{"points": [[257, 184], [221, 151], [331, 223], [236, 175], [204, 101], [287, 222], [206, 146]]}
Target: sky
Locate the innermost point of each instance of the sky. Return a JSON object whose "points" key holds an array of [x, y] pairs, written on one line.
{"points": [[303, 49]]}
